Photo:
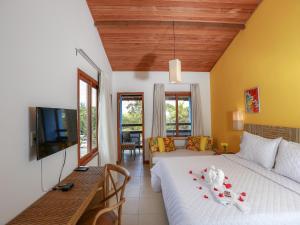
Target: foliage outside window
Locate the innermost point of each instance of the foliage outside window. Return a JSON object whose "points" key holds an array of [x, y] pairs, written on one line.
{"points": [[87, 118], [131, 115], [178, 114], [131, 118]]}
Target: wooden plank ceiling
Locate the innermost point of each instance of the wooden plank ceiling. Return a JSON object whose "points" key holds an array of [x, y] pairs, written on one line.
{"points": [[138, 34]]}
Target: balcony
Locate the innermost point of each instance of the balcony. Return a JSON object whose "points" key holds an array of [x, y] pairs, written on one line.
{"points": [[184, 129], [135, 131], [132, 133]]}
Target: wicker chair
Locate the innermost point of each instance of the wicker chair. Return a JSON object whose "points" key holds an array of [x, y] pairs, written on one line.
{"points": [[128, 144], [103, 214]]}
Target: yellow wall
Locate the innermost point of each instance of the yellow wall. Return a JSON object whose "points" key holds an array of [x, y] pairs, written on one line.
{"points": [[266, 54]]}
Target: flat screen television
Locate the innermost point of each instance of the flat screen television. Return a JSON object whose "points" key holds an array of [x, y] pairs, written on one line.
{"points": [[56, 129]]}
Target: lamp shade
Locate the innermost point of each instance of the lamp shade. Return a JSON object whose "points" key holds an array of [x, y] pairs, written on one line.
{"points": [[175, 71], [238, 120]]}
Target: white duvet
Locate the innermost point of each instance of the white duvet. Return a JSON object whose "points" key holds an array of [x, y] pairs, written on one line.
{"points": [[274, 199]]}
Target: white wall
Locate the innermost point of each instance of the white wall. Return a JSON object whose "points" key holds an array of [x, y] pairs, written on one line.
{"points": [[38, 68], [144, 82]]}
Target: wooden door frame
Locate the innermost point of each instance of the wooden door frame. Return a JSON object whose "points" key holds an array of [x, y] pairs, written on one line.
{"points": [[119, 94]]}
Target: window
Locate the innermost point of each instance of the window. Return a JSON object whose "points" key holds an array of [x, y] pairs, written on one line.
{"points": [[87, 118], [178, 114]]}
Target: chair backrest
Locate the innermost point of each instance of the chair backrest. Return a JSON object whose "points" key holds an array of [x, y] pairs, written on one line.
{"points": [[117, 185], [136, 137], [126, 137]]}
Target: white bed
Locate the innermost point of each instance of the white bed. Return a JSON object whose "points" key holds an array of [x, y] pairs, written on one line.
{"points": [[156, 156], [274, 199]]}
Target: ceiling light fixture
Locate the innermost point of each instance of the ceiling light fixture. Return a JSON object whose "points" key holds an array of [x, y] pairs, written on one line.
{"points": [[174, 64]]}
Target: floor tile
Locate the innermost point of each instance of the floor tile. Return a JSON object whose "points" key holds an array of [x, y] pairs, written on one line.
{"points": [[150, 205], [130, 206], [135, 180], [132, 191], [147, 192], [152, 219], [145, 181], [142, 206], [128, 219]]}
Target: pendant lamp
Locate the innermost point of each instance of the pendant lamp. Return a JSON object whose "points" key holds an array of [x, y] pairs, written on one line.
{"points": [[174, 65]]}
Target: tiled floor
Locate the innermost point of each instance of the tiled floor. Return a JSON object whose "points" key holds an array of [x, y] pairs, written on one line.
{"points": [[142, 206]]}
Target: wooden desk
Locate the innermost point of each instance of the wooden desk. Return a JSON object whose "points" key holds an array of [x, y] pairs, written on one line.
{"points": [[63, 208]]}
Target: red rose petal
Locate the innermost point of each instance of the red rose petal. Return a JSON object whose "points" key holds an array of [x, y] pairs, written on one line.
{"points": [[221, 195], [190, 172], [200, 188], [226, 177], [202, 177], [215, 189], [243, 194], [241, 199], [205, 196], [205, 170], [228, 186], [194, 178]]}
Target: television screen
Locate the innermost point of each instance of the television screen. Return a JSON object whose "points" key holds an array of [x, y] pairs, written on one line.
{"points": [[56, 129]]}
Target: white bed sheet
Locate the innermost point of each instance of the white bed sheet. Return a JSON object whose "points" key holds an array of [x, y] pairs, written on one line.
{"points": [[274, 199], [156, 156]]}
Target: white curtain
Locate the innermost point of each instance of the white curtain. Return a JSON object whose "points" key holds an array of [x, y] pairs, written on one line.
{"points": [[197, 123], [107, 143], [159, 111]]}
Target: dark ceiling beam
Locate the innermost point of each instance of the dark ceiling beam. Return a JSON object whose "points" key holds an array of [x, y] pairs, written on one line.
{"points": [[204, 24]]}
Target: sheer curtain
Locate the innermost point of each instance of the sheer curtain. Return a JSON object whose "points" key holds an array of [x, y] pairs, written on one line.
{"points": [[159, 111], [107, 143], [197, 123]]}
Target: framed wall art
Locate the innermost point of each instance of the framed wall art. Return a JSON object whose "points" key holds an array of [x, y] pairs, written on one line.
{"points": [[252, 101]]}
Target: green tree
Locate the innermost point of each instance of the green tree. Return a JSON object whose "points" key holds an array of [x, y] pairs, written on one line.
{"points": [[83, 119], [94, 126], [84, 124], [132, 115], [183, 114]]}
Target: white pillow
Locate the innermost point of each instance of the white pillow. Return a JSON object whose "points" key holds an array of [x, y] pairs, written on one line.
{"points": [[288, 160], [259, 150]]}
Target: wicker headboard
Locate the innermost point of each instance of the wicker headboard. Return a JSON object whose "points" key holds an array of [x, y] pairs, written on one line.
{"points": [[289, 134]]}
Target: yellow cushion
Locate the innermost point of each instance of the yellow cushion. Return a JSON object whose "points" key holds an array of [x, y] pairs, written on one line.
{"points": [[161, 144], [153, 144], [210, 143], [169, 144], [199, 143], [203, 143], [193, 143]]}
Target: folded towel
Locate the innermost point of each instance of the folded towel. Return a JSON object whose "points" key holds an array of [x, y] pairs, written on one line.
{"points": [[221, 191], [213, 177]]}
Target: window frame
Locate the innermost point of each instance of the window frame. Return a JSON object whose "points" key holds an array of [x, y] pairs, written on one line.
{"points": [[91, 83], [177, 95]]}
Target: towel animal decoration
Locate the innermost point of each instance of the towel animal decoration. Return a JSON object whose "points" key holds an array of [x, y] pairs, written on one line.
{"points": [[217, 183]]}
